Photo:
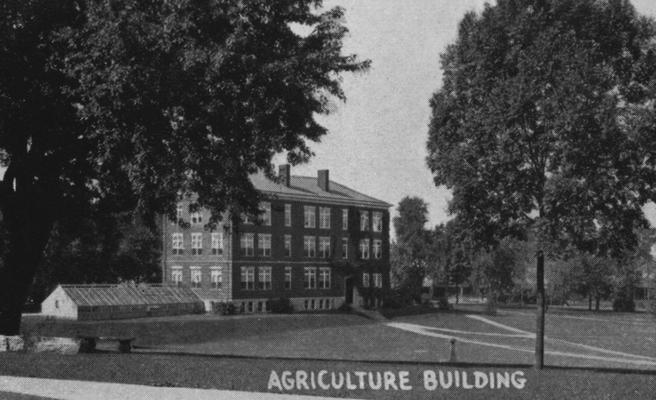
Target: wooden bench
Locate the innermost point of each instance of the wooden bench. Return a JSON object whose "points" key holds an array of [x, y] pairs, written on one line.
{"points": [[88, 343]]}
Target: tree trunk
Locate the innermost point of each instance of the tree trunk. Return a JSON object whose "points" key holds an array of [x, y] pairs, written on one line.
{"points": [[539, 330], [457, 294], [597, 301], [27, 224]]}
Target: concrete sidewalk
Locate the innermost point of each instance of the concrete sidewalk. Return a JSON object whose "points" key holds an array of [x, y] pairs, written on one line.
{"points": [[85, 390]]}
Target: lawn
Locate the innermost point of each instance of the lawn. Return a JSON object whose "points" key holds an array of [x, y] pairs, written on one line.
{"points": [[574, 339], [251, 375], [603, 355]]}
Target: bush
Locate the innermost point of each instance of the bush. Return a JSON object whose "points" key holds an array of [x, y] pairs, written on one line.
{"points": [[224, 308], [281, 305], [623, 303], [443, 304]]}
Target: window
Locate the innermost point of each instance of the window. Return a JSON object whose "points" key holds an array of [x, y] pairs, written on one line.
{"points": [[245, 219], [176, 275], [324, 247], [324, 278], [320, 304], [177, 245], [288, 215], [196, 277], [216, 277], [264, 245], [217, 243], [309, 216], [344, 219], [266, 215], [264, 278], [196, 218], [377, 218], [247, 278], [288, 277], [288, 245], [310, 278], [345, 248], [324, 217], [247, 244], [364, 220], [310, 246], [378, 248], [178, 212], [196, 243], [364, 249], [378, 280], [365, 279]]}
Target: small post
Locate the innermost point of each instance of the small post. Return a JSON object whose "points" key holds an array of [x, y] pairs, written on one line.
{"points": [[453, 358]]}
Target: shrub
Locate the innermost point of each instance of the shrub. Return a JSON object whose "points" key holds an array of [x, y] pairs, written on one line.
{"points": [[443, 304], [224, 308], [281, 305], [623, 303]]}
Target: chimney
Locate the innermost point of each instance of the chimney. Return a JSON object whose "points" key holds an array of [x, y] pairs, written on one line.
{"points": [[284, 173], [323, 180]]}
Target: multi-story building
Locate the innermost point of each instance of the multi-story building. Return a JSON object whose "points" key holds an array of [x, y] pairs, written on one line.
{"points": [[317, 243]]}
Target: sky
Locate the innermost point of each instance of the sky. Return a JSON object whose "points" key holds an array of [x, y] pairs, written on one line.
{"points": [[377, 140]]}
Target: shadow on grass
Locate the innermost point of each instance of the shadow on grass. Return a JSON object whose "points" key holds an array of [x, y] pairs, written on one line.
{"points": [[189, 328]]}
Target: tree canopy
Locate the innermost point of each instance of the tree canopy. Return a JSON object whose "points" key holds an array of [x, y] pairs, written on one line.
{"points": [[546, 115], [137, 102], [545, 120]]}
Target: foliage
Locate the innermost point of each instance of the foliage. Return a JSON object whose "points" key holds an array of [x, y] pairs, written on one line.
{"points": [[99, 249], [137, 102], [410, 252], [281, 305], [545, 119]]}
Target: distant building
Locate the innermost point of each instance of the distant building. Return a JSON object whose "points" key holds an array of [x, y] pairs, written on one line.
{"points": [[319, 244]]}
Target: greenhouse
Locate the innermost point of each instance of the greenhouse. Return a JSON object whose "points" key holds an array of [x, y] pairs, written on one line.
{"points": [[120, 301]]}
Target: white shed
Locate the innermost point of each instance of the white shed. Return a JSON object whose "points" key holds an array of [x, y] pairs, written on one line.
{"points": [[98, 302]]}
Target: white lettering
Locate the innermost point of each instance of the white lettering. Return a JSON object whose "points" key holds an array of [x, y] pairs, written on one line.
{"points": [[465, 384], [274, 381], [404, 380], [349, 384], [430, 380], [361, 375], [480, 379], [341, 380], [287, 380], [518, 379], [301, 380], [379, 382], [503, 379], [322, 384], [389, 378], [443, 382]]}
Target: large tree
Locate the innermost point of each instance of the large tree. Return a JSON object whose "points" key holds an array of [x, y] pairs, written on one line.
{"points": [[545, 119], [138, 102]]}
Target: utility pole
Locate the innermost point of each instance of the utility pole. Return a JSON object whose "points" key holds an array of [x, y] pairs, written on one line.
{"points": [[539, 330]]}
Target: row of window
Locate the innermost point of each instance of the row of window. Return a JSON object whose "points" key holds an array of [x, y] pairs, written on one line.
{"points": [[216, 245], [377, 279], [216, 277], [247, 246], [309, 217], [309, 304], [310, 275], [313, 277]]}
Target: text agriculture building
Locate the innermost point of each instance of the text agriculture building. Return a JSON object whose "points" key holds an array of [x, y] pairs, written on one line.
{"points": [[319, 244]]}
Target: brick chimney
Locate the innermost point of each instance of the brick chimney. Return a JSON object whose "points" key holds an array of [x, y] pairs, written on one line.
{"points": [[323, 179], [284, 173]]}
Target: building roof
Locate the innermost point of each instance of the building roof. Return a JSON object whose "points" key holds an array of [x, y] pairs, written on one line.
{"points": [[124, 295], [306, 188]]}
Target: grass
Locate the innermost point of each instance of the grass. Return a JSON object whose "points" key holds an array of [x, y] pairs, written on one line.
{"points": [[342, 342], [250, 375]]}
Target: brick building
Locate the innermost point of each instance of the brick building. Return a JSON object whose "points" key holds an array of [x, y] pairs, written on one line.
{"points": [[318, 243]]}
